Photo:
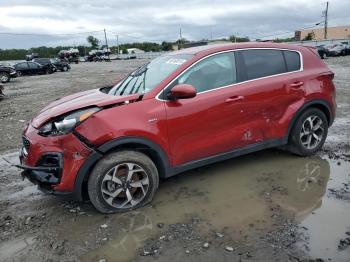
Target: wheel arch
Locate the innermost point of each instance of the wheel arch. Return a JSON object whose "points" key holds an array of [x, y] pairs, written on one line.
{"points": [[146, 146], [319, 104]]}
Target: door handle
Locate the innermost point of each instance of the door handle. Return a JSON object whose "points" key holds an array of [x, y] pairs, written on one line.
{"points": [[297, 84], [234, 99]]}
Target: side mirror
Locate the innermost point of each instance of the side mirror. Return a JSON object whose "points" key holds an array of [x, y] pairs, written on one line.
{"points": [[182, 91]]}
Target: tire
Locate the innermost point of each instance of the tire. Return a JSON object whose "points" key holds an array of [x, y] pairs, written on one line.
{"points": [[113, 166], [19, 73], [4, 77], [64, 69], [300, 142]]}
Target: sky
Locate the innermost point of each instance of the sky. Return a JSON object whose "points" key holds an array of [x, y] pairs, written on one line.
{"points": [[65, 22]]}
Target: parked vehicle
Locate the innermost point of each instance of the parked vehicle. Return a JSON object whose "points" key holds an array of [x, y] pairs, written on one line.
{"points": [[32, 56], [322, 51], [71, 55], [180, 111], [347, 49], [336, 49], [59, 65], [33, 68], [6, 73]]}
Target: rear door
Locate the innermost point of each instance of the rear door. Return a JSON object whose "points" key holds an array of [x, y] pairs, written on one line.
{"points": [[271, 85], [35, 68]]}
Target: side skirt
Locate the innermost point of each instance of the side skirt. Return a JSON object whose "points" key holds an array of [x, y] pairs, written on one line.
{"points": [[224, 156]]}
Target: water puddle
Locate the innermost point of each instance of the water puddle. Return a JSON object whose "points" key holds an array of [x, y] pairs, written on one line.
{"points": [[9, 249], [231, 196]]}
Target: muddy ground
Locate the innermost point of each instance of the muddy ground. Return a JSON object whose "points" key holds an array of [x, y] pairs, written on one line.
{"points": [[266, 206]]}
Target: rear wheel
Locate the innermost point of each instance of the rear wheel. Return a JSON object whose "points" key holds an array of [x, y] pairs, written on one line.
{"points": [[64, 68], [4, 77], [122, 181], [308, 133]]}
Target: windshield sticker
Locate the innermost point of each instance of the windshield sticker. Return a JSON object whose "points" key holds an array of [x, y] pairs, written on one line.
{"points": [[176, 61]]}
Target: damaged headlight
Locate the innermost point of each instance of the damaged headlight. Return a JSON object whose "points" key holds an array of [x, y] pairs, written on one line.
{"points": [[65, 124]]}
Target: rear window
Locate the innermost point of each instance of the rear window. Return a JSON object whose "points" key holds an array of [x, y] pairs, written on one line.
{"points": [[292, 60], [265, 62]]}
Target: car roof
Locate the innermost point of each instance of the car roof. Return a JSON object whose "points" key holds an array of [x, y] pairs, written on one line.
{"points": [[205, 49]]}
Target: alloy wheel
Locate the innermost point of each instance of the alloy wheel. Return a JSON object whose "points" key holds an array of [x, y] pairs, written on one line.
{"points": [[125, 185], [4, 78], [312, 132]]}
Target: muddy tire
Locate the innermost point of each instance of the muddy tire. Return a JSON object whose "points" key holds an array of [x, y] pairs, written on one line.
{"points": [[122, 181], [308, 133], [4, 77]]}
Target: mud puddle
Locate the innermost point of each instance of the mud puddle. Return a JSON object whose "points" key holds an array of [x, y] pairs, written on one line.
{"points": [[239, 199], [235, 198]]}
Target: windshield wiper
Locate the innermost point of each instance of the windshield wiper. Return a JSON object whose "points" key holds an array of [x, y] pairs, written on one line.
{"points": [[135, 77], [144, 72]]}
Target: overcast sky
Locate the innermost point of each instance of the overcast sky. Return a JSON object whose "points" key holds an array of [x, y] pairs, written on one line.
{"points": [[158, 20]]}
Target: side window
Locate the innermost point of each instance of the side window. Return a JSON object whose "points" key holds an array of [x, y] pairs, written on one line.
{"points": [[292, 60], [212, 72], [263, 62], [33, 66], [22, 66]]}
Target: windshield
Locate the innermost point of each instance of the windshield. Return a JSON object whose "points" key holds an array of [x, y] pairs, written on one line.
{"points": [[148, 76]]}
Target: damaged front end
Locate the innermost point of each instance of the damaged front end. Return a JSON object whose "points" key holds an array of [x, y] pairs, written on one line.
{"points": [[46, 173]]}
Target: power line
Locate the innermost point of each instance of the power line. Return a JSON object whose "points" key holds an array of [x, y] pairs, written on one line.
{"points": [[290, 31], [58, 34]]}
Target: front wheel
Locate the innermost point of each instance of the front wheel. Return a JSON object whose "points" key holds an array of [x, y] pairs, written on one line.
{"points": [[308, 133], [4, 77], [64, 68], [122, 181]]}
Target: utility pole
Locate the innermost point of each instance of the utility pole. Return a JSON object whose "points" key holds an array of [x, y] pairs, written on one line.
{"points": [[118, 44], [180, 42], [106, 39], [326, 21]]}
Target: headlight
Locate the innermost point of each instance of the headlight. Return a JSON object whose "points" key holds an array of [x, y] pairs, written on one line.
{"points": [[65, 124]]}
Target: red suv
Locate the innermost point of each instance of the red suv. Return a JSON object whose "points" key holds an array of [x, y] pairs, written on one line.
{"points": [[180, 111]]}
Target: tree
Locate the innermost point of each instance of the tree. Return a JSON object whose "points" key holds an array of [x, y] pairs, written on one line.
{"points": [[309, 36], [237, 39], [93, 41], [166, 46]]}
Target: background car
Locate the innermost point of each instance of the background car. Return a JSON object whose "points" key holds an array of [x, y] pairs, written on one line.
{"points": [[336, 49], [60, 65], [6, 73], [322, 51], [32, 68]]}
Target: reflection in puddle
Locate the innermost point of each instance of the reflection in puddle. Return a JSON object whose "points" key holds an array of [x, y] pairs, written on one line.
{"points": [[230, 196], [328, 224]]}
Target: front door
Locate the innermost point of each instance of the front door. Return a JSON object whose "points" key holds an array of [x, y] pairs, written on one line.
{"points": [[207, 124]]}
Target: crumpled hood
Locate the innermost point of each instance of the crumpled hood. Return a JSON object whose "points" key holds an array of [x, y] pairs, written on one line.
{"points": [[77, 101]]}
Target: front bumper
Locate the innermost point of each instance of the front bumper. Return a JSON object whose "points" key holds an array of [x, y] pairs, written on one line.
{"points": [[13, 74], [47, 172], [52, 163]]}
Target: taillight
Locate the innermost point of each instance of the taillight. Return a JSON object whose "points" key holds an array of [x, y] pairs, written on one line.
{"points": [[328, 74]]}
